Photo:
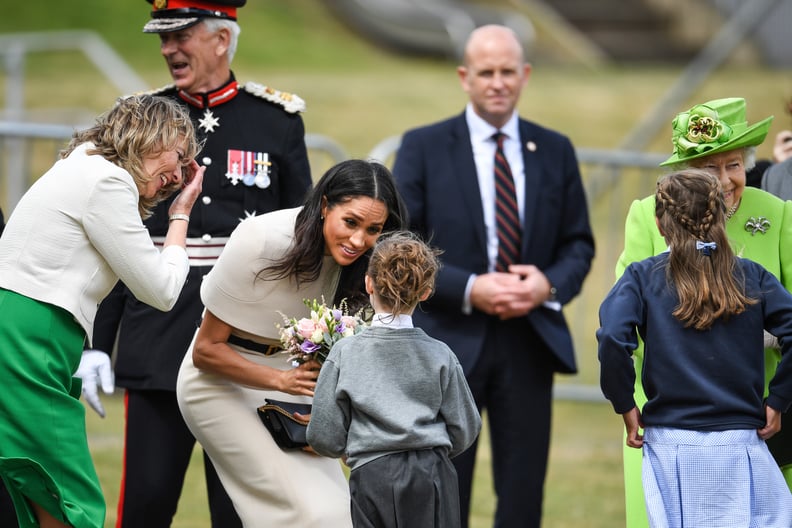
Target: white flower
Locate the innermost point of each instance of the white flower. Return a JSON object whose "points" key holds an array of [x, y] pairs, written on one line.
{"points": [[318, 336]]}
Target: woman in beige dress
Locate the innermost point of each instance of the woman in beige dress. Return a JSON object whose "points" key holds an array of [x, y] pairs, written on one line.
{"points": [[271, 263]]}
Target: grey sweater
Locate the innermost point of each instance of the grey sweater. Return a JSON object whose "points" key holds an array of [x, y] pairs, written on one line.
{"points": [[388, 390]]}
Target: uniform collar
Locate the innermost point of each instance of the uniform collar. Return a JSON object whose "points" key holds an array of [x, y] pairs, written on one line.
{"points": [[209, 99]]}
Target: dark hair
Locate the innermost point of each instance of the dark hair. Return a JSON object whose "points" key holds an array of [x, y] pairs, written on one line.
{"points": [[343, 182], [689, 208]]}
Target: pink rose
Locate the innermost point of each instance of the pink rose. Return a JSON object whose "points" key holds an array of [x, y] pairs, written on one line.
{"points": [[306, 328]]}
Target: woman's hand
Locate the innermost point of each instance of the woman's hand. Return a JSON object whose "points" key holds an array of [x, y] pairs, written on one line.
{"points": [[301, 380], [182, 205], [193, 184], [212, 353]]}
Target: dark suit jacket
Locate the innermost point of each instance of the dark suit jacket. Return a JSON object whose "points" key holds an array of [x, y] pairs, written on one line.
{"points": [[436, 175]]}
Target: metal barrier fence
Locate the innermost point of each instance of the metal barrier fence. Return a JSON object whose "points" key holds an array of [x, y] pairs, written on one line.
{"points": [[18, 139], [613, 179]]}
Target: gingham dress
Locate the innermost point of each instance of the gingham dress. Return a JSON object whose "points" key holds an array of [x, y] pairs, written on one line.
{"points": [[713, 479]]}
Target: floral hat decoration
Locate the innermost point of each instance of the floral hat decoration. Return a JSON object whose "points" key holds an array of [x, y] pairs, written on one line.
{"points": [[714, 127]]}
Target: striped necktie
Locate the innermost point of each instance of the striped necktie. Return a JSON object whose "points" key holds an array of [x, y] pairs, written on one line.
{"points": [[507, 216]]}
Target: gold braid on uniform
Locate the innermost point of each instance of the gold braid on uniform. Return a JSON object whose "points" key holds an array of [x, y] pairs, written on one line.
{"points": [[290, 102]]}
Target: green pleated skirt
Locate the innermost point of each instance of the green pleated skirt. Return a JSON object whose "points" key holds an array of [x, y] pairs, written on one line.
{"points": [[44, 454]]}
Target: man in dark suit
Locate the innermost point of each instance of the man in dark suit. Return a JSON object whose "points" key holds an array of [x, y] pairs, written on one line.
{"points": [[256, 162], [502, 318]]}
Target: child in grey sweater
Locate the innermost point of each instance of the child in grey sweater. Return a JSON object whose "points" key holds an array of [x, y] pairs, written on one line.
{"points": [[394, 402]]}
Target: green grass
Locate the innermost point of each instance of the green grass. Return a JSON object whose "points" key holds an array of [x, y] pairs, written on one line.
{"points": [[584, 484], [358, 95]]}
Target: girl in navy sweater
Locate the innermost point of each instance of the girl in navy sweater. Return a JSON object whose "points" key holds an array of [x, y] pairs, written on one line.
{"points": [[702, 313]]}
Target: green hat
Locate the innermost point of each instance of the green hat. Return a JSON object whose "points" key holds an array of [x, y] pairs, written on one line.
{"points": [[714, 127]]}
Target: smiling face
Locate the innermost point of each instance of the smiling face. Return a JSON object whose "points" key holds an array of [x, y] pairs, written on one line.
{"points": [[165, 173], [729, 168], [351, 228], [196, 57], [494, 73]]}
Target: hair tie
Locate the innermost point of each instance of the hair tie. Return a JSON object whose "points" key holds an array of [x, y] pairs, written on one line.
{"points": [[706, 248]]}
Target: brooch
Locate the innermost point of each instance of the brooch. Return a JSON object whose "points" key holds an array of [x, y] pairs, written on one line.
{"points": [[757, 225]]}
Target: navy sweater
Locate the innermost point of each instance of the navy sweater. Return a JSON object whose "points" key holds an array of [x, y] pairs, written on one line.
{"points": [[710, 380]]}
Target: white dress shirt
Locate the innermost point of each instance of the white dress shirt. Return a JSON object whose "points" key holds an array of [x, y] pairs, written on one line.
{"points": [[484, 147]]}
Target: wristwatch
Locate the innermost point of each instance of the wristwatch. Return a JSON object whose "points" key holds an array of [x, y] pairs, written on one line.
{"points": [[553, 293]]}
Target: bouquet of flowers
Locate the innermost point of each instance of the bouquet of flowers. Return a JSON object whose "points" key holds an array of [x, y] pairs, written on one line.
{"points": [[313, 337]]}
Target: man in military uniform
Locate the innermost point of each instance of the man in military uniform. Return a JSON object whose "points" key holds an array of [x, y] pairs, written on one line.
{"points": [[256, 162]]}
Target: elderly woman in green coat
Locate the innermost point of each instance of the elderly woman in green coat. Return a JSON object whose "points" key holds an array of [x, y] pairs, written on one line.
{"points": [[716, 137]]}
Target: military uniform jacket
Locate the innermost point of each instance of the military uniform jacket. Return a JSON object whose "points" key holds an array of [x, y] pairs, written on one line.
{"points": [[256, 162]]}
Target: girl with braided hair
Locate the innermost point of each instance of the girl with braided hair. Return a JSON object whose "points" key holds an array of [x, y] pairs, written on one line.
{"points": [[701, 313], [394, 402], [717, 137], [690, 215]]}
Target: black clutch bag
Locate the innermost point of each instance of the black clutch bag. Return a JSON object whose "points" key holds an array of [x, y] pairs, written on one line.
{"points": [[288, 431]]}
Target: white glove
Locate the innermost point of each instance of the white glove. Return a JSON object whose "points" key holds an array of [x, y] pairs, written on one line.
{"points": [[95, 367]]}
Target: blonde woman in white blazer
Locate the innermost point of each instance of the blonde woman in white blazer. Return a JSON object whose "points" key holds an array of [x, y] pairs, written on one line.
{"points": [[76, 231]]}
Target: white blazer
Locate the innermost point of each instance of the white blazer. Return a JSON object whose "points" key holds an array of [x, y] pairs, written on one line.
{"points": [[76, 231]]}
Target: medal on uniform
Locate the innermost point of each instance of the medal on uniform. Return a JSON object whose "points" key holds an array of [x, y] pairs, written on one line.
{"points": [[209, 122], [249, 179], [250, 167], [235, 166], [262, 163]]}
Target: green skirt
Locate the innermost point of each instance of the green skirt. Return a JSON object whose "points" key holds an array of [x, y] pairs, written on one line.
{"points": [[44, 452]]}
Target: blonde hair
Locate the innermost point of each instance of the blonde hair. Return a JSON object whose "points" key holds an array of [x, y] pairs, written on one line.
{"points": [[689, 208], [402, 270], [136, 128]]}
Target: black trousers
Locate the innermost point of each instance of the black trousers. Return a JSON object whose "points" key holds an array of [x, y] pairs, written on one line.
{"points": [[514, 385], [157, 451], [410, 489]]}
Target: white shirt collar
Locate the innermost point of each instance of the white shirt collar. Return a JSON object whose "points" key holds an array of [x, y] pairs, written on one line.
{"points": [[481, 131], [392, 321]]}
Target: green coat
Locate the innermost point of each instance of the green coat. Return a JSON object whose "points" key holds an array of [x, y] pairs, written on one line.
{"points": [[772, 248]]}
